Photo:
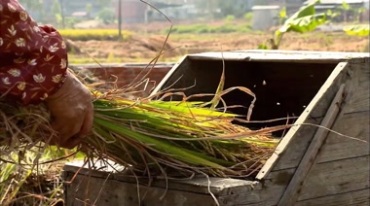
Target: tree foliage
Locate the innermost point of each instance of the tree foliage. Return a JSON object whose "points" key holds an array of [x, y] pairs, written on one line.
{"points": [[357, 30], [304, 20]]}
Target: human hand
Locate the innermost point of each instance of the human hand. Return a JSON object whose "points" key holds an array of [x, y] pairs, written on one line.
{"points": [[71, 111]]}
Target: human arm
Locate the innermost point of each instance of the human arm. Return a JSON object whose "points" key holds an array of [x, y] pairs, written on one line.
{"points": [[34, 58], [33, 69]]}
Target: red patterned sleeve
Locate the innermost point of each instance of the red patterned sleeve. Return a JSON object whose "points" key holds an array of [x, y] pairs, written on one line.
{"points": [[33, 58]]}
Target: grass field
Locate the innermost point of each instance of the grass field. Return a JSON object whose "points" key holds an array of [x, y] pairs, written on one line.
{"points": [[139, 47]]}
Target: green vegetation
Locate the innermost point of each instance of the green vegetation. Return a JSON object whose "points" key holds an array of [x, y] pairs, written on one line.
{"points": [[76, 59], [31, 175], [357, 30], [106, 15], [93, 34], [304, 20], [208, 29], [248, 17]]}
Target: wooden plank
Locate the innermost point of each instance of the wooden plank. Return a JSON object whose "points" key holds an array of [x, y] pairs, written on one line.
{"points": [[324, 180], [356, 77], [353, 198], [273, 187], [198, 184], [336, 177], [352, 119], [99, 191], [338, 147], [281, 56], [358, 91], [238, 192], [298, 137], [111, 191], [174, 73], [291, 193]]}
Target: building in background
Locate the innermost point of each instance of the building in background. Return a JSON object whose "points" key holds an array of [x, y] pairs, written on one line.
{"points": [[265, 16], [348, 10]]}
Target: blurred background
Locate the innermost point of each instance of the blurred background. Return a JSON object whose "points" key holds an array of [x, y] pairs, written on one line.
{"points": [[133, 31]]}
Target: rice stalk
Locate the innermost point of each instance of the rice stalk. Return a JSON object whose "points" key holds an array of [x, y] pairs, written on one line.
{"points": [[168, 131], [148, 136]]}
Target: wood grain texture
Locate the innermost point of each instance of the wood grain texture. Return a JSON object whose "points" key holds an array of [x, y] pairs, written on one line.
{"points": [[325, 179], [338, 147], [351, 121], [283, 56], [198, 184], [353, 198], [290, 194], [107, 192], [293, 146], [229, 192], [336, 177], [272, 189]]}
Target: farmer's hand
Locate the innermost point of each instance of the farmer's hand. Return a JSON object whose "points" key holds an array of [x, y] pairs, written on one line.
{"points": [[71, 112]]}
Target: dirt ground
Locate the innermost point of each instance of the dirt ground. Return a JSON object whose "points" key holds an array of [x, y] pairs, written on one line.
{"points": [[141, 48]]}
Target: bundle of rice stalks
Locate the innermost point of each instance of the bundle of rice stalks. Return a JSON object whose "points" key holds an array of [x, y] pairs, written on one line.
{"points": [[152, 137], [177, 138]]}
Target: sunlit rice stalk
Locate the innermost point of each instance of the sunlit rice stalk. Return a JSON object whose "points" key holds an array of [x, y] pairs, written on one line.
{"points": [[173, 131], [167, 131], [149, 136], [93, 34]]}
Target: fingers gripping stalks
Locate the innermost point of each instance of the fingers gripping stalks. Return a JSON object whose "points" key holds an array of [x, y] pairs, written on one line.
{"points": [[71, 111]]}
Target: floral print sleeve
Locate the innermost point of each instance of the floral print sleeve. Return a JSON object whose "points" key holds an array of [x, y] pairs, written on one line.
{"points": [[33, 58]]}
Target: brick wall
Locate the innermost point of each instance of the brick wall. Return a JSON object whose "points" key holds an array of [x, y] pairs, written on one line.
{"points": [[126, 74]]}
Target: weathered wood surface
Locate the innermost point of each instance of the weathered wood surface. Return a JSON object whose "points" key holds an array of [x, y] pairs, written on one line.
{"points": [[198, 184], [193, 192], [336, 177], [87, 190], [272, 189], [338, 147], [293, 146], [290, 194], [324, 180], [353, 198], [354, 115], [349, 173], [354, 119], [281, 56], [196, 191]]}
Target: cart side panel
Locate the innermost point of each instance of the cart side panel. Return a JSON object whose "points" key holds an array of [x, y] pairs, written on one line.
{"points": [[335, 172], [337, 177], [87, 190], [342, 166], [275, 181], [107, 187], [294, 144], [356, 198], [272, 189]]}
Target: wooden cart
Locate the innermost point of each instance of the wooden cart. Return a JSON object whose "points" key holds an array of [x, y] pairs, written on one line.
{"points": [[310, 166]]}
